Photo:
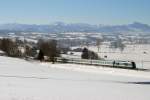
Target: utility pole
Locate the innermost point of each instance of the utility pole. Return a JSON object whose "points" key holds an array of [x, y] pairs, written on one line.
{"points": [[24, 45]]}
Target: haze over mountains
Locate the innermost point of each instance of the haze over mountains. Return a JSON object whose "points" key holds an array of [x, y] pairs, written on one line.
{"points": [[59, 27]]}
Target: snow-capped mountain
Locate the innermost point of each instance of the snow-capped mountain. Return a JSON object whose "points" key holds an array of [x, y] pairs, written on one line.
{"points": [[76, 27]]}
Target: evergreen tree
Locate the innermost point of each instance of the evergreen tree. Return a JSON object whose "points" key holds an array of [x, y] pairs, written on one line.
{"points": [[41, 55], [85, 54]]}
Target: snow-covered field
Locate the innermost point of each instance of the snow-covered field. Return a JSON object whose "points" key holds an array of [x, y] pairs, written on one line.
{"points": [[22, 80]]}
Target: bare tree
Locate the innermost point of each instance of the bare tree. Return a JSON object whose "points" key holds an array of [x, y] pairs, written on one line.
{"points": [[98, 44], [118, 44]]}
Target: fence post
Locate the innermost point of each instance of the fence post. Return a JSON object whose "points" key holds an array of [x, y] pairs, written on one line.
{"points": [[142, 64], [72, 60]]}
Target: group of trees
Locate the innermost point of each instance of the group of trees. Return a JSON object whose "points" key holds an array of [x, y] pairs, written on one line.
{"points": [[10, 47], [17, 48], [48, 48], [87, 54]]}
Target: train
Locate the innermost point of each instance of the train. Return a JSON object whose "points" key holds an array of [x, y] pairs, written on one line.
{"points": [[101, 62]]}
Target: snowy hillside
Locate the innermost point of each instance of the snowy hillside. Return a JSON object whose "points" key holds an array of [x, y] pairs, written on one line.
{"points": [[22, 80]]}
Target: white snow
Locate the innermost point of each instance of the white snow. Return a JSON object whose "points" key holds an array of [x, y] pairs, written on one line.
{"points": [[23, 80]]}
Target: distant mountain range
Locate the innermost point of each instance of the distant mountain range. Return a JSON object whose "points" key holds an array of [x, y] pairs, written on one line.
{"points": [[76, 27]]}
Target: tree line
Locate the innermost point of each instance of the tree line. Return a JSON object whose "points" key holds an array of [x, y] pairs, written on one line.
{"points": [[23, 49], [42, 50]]}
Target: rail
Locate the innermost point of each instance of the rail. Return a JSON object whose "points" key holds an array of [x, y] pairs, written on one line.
{"points": [[109, 63]]}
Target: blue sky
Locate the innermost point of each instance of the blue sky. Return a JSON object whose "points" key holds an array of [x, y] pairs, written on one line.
{"points": [[75, 11]]}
